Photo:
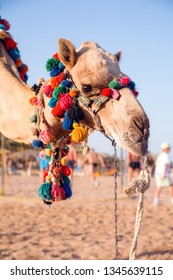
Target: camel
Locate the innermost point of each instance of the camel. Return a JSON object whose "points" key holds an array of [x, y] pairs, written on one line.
{"points": [[124, 120], [112, 110]]}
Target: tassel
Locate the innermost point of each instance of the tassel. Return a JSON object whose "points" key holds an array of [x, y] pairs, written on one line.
{"points": [[44, 191], [46, 136], [67, 190], [65, 170], [114, 84], [48, 90], [106, 92], [125, 81], [57, 192], [57, 111], [67, 122], [79, 133], [5, 23], [33, 118], [51, 63], [75, 113]]}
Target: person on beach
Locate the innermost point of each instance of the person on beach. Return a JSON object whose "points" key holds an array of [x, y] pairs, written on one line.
{"points": [[43, 164], [134, 166], [93, 160], [162, 173]]}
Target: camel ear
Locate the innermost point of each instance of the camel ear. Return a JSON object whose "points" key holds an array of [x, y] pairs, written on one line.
{"points": [[118, 55], [67, 53]]}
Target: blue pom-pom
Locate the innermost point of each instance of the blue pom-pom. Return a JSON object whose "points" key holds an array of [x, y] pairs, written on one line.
{"points": [[2, 27], [14, 53], [44, 191], [61, 66], [68, 191], [52, 102], [55, 71], [37, 144], [66, 180], [131, 85], [67, 83], [26, 78], [67, 122]]}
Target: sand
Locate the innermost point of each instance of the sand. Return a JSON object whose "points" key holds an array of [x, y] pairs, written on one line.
{"points": [[81, 228]]}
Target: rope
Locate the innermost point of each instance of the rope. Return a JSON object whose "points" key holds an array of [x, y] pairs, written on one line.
{"points": [[140, 185]]}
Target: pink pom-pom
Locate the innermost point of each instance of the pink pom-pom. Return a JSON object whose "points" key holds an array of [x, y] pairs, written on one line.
{"points": [[65, 101], [115, 94], [5, 23], [106, 92], [42, 154], [135, 92], [57, 192], [48, 91], [46, 136], [125, 81]]}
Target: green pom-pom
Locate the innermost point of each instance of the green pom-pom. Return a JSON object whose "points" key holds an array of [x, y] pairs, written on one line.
{"points": [[33, 118], [51, 63], [58, 90], [114, 85], [44, 191]]}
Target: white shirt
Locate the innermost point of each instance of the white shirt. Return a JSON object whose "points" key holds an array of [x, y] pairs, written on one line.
{"points": [[162, 159]]}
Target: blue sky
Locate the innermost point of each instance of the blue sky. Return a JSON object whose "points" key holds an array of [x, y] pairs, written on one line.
{"points": [[142, 29]]}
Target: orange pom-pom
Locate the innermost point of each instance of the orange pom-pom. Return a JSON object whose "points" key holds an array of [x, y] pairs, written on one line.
{"points": [[55, 81], [73, 92], [18, 62], [33, 100]]}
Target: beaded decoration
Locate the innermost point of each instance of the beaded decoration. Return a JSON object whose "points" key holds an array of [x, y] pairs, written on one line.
{"points": [[11, 48]]}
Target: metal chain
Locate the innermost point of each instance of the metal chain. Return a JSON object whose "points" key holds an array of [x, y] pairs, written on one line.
{"points": [[115, 201]]}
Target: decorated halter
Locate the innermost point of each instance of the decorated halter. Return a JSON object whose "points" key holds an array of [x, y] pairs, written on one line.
{"points": [[64, 101], [11, 48]]}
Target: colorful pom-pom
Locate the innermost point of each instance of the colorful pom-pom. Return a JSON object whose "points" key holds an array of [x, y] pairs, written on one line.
{"points": [[67, 123], [131, 85], [106, 92], [37, 143], [44, 191], [125, 81], [33, 118], [57, 192], [73, 93], [10, 44], [135, 92], [65, 101], [63, 161], [5, 23], [57, 111], [76, 113], [114, 84], [67, 190], [56, 56], [52, 102], [14, 53], [67, 83], [55, 71], [79, 133], [51, 63], [2, 26], [46, 136], [48, 90], [65, 170], [18, 62]]}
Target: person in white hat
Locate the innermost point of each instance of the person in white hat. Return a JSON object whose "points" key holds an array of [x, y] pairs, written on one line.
{"points": [[162, 173]]}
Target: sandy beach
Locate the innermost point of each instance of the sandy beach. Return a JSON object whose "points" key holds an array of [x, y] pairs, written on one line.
{"points": [[81, 228]]}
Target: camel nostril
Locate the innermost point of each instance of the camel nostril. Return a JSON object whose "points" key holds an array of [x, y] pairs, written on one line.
{"points": [[142, 126]]}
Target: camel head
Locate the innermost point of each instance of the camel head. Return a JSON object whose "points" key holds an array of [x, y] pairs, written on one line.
{"points": [[121, 116]]}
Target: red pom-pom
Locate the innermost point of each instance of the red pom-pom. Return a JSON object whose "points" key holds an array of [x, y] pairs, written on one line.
{"points": [[23, 70], [48, 90], [57, 192], [106, 92], [65, 101], [10, 44], [56, 56], [58, 111], [125, 81], [5, 23], [135, 92], [65, 170]]}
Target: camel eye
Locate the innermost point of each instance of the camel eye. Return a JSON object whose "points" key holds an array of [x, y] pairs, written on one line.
{"points": [[86, 88]]}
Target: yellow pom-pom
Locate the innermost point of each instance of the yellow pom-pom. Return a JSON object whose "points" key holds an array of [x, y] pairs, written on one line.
{"points": [[63, 161], [49, 178], [48, 152], [79, 133]]}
